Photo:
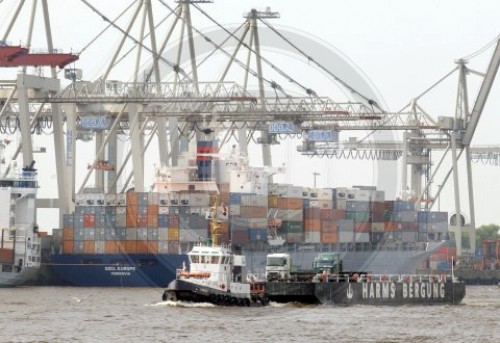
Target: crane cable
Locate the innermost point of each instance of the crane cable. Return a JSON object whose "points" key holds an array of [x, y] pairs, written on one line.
{"points": [[273, 84], [174, 66], [311, 59], [219, 47]]}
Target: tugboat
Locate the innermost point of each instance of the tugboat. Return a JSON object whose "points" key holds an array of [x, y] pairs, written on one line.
{"points": [[19, 242], [211, 277]]}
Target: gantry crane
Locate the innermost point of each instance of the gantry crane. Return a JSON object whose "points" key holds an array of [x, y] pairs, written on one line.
{"points": [[105, 107]]}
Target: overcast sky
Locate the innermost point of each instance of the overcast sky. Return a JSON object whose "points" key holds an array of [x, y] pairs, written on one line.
{"points": [[402, 47]]}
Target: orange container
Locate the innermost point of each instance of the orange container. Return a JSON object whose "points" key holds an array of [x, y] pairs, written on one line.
{"points": [[153, 247], [131, 220], [68, 247], [312, 225], [131, 198], [142, 247], [112, 247], [361, 227], [328, 226], [152, 210], [89, 247], [68, 234], [389, 226], [152, 220], [329, 237], [130, 247], [290, 203]]}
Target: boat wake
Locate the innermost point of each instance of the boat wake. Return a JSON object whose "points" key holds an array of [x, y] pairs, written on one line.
{"points": [[185, 304]]}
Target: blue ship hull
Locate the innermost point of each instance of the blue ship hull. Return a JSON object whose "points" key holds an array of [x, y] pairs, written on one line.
{"points": [[116, 270]]}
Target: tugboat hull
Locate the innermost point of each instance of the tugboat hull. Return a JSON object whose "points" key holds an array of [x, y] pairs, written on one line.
{"points": [[188, 291]]}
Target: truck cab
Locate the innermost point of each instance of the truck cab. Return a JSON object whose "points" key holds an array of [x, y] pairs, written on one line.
{"points": [[278, 267], [327, 263]]}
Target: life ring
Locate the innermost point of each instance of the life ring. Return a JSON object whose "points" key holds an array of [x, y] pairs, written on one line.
{"points": [[222, 286]]}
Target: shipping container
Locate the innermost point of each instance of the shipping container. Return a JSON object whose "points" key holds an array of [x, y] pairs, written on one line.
{"points": [[329, 226], [292, 227], [362, 237], [359, 216], [162, 233], [377, 227], [312, 237], [131, 198], [253, 211], [312, 225], [163, 200], [257, 234], [332, 214], [89, 235], [142, 234], [290, 203], [68, 247], [346, 225], [329, 237], [362, 227], [358, 206], [346, 236], [112, 247], [272, 201], [131, 234]]}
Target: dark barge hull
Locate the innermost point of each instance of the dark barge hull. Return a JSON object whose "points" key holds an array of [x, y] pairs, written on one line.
{"points": [[369, 293]]}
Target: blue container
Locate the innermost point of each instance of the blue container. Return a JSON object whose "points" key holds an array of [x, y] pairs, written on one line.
{"points": [[110, 234], [121, 234], [306, 203], [257, 234], [163, 220], [68, 221], [235, 198]]}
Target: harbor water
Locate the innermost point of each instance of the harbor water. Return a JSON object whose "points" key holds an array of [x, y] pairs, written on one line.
{"points": [[67, 314]]}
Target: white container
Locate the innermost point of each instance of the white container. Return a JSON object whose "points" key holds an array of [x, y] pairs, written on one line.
{"points": [[341, 204], [325, 194], [110, 199], [173, 199], [199, 199], [362, 237], [163, 199], [312, 237], [121, 199]]}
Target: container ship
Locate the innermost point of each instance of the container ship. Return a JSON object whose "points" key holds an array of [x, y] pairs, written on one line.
{"points": [[141, 238]]}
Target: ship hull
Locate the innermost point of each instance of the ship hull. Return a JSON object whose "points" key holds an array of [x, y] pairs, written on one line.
{"points": [[115, 270], [12, 279]]}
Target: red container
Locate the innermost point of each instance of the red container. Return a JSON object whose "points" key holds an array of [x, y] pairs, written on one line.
{"points": [[312, 225], [88, 220], [361, 227]]}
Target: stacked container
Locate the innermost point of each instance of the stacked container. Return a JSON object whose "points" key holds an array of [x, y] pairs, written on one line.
{"points": [[248, 217]]}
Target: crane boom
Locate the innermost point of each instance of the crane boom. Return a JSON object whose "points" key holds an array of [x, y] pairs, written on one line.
{"points": [[482, 96]]}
